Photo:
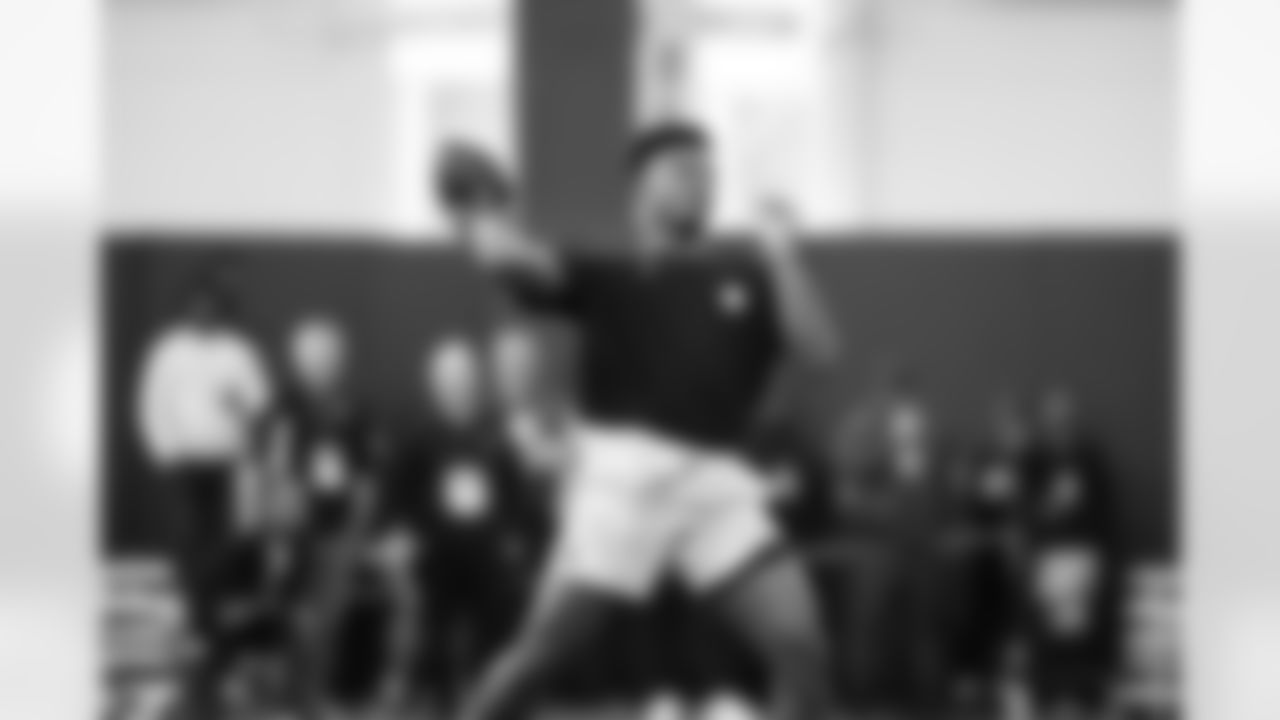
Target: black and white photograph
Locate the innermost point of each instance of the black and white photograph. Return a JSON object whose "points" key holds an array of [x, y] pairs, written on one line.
{"points": [[640, 360]]}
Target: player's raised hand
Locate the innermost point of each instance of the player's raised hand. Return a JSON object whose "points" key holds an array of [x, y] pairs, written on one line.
{"points": [[805, 319], [480, 198], [776, 228], [475, 191], [469, 176]]}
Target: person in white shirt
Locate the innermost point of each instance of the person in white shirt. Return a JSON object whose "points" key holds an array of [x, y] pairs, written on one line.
{"points": [[202, 393]]}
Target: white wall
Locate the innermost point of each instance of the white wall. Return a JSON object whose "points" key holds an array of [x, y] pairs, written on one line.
{"points": [[240, 114], [977, 114], [1012, 113]]}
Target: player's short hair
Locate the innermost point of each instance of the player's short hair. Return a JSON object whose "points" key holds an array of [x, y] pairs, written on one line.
{"points": [[662, 139], [467, 177]]}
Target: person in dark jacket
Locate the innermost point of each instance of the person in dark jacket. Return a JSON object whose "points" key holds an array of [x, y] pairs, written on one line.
{"points": [[903, 505], [325, 443], [261, 580], [987, 552], [1075, 567], [459, 495]]}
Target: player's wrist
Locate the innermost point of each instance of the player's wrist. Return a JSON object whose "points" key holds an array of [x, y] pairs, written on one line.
{"points": [[776, 228]]}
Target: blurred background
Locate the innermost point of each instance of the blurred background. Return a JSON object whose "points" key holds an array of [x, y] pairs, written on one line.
{"points": [[988, 193]]}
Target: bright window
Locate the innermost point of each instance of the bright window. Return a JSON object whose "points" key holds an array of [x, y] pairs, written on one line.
{"points": [[453, 75], [774, 83]]}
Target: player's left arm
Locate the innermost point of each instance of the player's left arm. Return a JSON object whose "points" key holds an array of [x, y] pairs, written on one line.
{"points": [[805, 322]]}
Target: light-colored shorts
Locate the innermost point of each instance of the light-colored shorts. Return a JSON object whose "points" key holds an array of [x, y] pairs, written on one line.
{"points": [[637, 507]]}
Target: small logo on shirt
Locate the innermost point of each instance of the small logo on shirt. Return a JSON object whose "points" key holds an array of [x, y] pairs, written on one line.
{"points": [[467, 495], [734, 299], [1066, 494], [328, 469]]}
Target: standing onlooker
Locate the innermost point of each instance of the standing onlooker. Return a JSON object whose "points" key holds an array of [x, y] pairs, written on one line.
{"points": [[535, 412], [902, 506], [327, 446], [202, 392], [458, 495], [987, 551], [532, 404], [263, 576], [1074, 568]]}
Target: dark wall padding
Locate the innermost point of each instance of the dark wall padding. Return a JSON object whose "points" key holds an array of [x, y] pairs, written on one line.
{"points": [[575, 99], [971, 317]]}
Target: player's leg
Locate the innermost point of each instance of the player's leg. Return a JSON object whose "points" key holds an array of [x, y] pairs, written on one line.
{"points": [[669, 656], [608, 554], [772, 607], [734, 553], [564, 619]]}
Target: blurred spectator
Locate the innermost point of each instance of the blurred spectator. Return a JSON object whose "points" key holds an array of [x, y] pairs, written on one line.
{"points": [[800, 485], [520, 376], [987, 549], [325, 444], [901, 507], [1075, 568], [202, 391], [803, 486], [459, 495], [534, 414], [262, 580], [532, 406]]}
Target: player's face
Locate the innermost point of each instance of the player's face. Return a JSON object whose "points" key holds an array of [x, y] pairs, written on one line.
{"points": [[675, 192]]}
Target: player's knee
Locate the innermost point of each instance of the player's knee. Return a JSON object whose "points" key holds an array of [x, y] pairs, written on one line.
{"points": [[797, 660]]}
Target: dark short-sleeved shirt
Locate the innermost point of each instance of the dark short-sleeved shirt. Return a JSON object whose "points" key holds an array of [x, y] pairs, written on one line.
{"points": [[458, 490], [994, 495], [1071, 498], [685, 345], [334, 453]]}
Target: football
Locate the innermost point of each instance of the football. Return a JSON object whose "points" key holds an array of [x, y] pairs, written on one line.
{"points": [[468, 176]]}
